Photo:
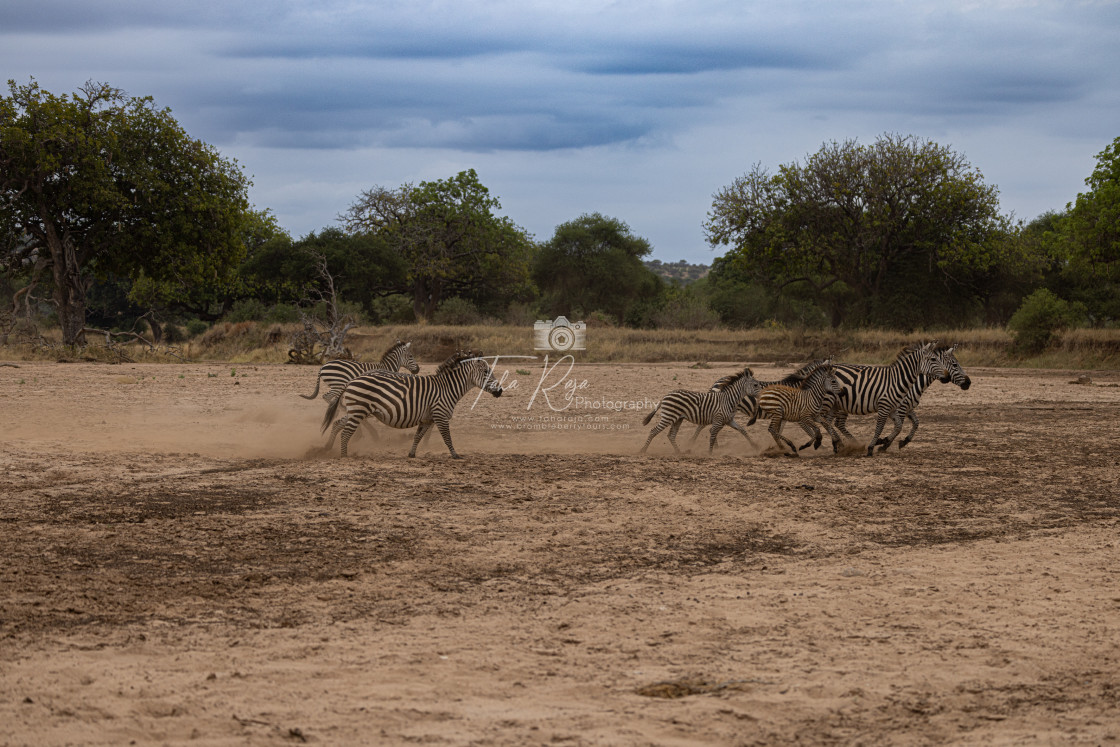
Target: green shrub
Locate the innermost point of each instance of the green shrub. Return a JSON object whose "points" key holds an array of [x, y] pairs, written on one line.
{"points": [[458, 312], [1039, 316], [246, 310], [282, 313], [196, 327], [391, 310], [686, 312]]}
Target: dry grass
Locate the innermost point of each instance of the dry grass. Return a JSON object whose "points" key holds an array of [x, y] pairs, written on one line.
{"points": [[249, 342]]}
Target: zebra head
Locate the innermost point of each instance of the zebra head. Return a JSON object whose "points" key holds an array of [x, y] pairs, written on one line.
{"points": [[953, 371], [400, 356], [480, 374], [819, 376], [922, 358]]}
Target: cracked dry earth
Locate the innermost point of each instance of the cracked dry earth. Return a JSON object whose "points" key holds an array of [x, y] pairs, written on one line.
{"points": [[179, 564]]}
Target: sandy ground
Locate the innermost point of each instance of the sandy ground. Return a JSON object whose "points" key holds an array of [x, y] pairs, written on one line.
{"points": [[178, 564]]}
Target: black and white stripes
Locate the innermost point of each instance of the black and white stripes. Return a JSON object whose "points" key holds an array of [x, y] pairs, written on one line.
{"points": [[337, 374], [884, 391], [406, 401], [715, 407]]}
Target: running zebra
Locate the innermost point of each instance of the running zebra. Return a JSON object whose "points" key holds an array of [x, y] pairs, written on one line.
{"points": [[884, 391], [801, 404], [748, 405], [714, 407], [403, 401], [954, 374], [337, 374]]}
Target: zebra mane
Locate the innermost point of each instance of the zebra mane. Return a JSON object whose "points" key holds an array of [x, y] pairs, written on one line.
{"points": [[456, 358], [913, 348], [730, 380], [800, 375], [387, 357]]}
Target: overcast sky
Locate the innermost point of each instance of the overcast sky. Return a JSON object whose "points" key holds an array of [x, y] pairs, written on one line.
{"points": [[637, 110]]}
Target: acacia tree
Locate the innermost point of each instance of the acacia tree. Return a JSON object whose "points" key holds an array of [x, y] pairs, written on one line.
{"points": [[99, 184], [850, 217], [451, 242]]}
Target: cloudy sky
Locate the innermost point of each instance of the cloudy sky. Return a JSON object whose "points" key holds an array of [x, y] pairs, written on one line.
{"points": [[640, 110]]}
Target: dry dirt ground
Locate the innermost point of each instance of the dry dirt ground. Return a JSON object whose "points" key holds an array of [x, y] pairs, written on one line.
{"points": [[179, 565]]}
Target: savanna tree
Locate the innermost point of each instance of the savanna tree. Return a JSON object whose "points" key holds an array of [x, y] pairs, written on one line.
{"points": [[853, 219], [100, 183], [449, 239]]}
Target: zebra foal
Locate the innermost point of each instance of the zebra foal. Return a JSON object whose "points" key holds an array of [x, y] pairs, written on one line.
{"points": [[403, 400], [748, 405], [800, 404], [337, 374], [715, 407]]}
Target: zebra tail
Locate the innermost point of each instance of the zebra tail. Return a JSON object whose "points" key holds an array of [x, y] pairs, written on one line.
{"points": [[315, 393], [651, 414], [331, 410]]}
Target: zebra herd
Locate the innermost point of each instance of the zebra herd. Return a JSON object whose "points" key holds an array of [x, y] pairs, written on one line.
{"points": [[820, 393], [823, 393]]}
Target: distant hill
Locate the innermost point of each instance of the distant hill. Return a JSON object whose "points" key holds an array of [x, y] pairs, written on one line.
{"points": [[682, 271]]}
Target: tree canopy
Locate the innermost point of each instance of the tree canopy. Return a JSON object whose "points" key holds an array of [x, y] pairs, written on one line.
{"points": [[594, 263], [99, 184], [449, 240], [1093, 220], [855, 219]]}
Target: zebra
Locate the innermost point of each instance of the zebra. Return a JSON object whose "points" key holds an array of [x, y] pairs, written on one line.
{"points": [[714, 408], [800, 404], [886, 391], [953, 374], [337, 374], [405, 400], [749, 403]]}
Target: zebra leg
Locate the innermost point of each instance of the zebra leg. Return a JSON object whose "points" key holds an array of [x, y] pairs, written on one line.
{"points": [[332, 394], [880, 423], [776, 423], [334, 432], [420, 433], [695, 435], [832, 434], [913, 415], [716, 427], [840, 421], [885, 442], [445, 431], [656, 429], [348, 431], [742, 430], [676, 426], [814, 434]]}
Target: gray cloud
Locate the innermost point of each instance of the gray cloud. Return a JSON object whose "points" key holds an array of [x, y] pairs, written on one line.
{"points": [[567, 85]]}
